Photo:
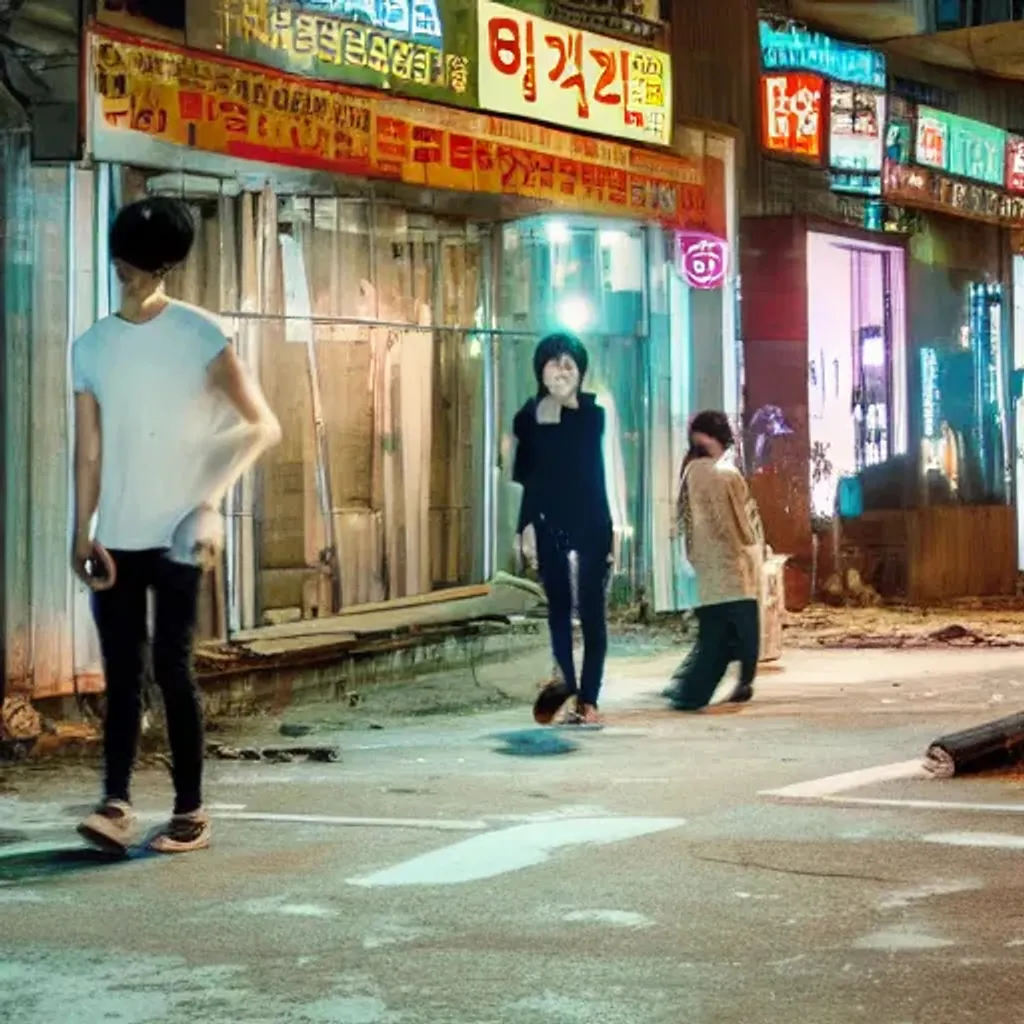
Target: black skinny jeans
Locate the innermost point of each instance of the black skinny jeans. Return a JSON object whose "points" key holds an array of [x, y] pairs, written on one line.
{"points": [[592, 583], [121, 620]]}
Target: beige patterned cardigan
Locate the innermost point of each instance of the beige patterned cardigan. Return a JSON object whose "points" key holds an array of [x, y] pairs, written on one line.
{"points": [[718, 530]]}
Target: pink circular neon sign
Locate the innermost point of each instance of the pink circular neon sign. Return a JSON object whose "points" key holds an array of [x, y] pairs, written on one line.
{"points": [[703, 259]]}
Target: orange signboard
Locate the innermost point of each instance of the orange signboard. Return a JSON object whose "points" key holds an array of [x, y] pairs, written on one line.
{"points": [[221, 106], [791, 109]]}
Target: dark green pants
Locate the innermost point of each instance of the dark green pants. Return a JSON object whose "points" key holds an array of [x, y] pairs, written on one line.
{"points": [[725, 633]]}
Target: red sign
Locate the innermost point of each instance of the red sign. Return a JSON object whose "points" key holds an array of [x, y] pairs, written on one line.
{"points": [[791, 121], [1015, 164]]}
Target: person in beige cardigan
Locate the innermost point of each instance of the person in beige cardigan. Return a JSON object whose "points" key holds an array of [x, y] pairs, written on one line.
{"points": [[722, 549]]}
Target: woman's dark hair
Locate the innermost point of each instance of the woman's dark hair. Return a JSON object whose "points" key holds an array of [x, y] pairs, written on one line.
{"points": [[153, 235], [554, 346], [714, 424]]}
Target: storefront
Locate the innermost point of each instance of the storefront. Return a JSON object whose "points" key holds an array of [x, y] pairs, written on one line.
{"points": [[955, 180], [854, 325], [386, 264]]}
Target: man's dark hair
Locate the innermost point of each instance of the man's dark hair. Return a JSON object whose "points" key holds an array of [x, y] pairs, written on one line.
{"points": [[714, 424], [554, 346], [153, 235]]}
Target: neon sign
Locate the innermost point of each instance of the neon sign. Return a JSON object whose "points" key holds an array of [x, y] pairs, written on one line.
{"points": [[969, 149], [791, 114], [702, 259], [796, 49]]}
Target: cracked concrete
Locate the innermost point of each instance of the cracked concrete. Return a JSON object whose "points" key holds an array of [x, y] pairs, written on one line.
{"points": [[738, 909]]}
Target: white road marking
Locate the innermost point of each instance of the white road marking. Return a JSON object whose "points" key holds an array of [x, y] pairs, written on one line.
{"points": [[428, 824], [510, 849], [977, 840], [926, 805], [835, 789], [816, 789]]}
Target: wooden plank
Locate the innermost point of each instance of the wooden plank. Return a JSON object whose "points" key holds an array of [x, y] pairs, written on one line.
{"points": [[370, 617], [961, 551]]}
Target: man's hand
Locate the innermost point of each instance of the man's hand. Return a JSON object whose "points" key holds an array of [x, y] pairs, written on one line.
{"points": [[204, 529], [526, 547], [206, 555], [93, 565]]}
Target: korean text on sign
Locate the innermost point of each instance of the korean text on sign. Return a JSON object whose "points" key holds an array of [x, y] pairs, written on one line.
{"points": [[791, 114], [399, 44], [141, 91], [544, 71]]}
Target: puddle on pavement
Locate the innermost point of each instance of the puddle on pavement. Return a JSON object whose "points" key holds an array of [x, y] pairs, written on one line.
{"points": [[34, 867]]}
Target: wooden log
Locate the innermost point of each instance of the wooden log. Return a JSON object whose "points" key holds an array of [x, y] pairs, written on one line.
{"points": [[996, 744]]}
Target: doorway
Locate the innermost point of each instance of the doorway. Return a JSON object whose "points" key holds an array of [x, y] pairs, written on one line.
{"points": [[856, 361]]}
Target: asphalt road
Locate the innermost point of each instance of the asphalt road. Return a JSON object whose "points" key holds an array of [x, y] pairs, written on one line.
{"points": [[645, 878]]}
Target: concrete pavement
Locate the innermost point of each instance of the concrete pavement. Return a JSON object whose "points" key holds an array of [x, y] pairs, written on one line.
{"points": [[429, 878]]}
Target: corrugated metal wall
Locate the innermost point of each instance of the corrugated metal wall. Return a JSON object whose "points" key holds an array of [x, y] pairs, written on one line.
{"points": [[18, 285], [45, 246]]}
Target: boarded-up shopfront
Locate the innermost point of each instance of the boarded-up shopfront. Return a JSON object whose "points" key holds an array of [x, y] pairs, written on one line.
{"points": [[386, 228]]}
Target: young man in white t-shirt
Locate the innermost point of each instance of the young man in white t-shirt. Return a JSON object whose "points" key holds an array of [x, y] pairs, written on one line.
{"points": [[166, 419]]}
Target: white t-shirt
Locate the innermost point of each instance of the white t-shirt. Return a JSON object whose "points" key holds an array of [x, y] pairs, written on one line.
{"points": [[157, 413]]}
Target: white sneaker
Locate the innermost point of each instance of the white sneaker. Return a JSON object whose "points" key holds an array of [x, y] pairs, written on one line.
{"points": [[183, 834], [110, 827]]}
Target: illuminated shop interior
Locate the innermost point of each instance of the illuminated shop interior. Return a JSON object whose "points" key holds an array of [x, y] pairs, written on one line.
{"points": [[965, 442], [856, 361]]}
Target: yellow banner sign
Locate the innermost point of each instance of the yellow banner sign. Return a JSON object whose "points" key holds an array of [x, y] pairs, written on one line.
{"points": [[219, 106], [534, 68]]}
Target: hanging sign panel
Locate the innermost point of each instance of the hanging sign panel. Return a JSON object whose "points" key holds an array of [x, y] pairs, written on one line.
{"points": [[791, 122], [421, 48], [960, 146], [543, 71], [1015, 164], [789, 48], [933, 190], [856, 138], [146, 99]]}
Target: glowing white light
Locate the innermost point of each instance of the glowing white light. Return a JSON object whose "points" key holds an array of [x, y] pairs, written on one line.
{"points": [[475, 348], [873, 352], [575, 313], [558, 232], [611, 238]]}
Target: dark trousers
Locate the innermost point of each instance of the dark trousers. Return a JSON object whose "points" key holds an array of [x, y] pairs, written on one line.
{"points": [[592, 581], [121, 620], [725, 633]]}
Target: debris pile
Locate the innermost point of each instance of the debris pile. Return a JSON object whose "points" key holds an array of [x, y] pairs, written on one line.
{"points": [[273, 755], [848, 589]]}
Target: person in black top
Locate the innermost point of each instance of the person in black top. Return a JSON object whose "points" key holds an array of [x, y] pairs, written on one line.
{"points": [[565, 522]]}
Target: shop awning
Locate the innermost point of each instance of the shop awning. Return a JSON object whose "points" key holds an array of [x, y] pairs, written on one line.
{"points": [[869, 20], [990, 49]]}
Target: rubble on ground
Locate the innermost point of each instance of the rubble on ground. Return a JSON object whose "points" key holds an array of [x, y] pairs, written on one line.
{"points": [[849, 590], [273, 755], [967, 626]]}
